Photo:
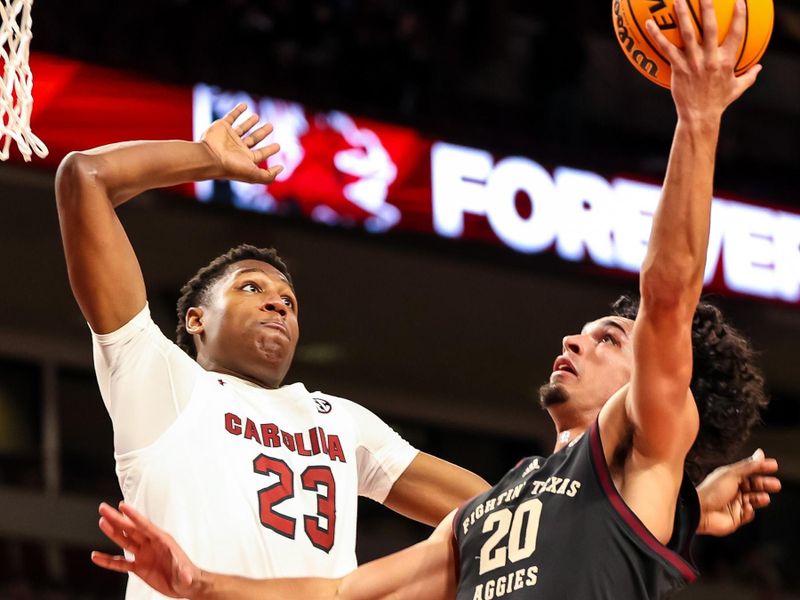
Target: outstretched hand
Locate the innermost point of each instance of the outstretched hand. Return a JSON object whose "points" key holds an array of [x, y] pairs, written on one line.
{"points": [[158, 559], [704, 82], [232, 148], [730, 495]]}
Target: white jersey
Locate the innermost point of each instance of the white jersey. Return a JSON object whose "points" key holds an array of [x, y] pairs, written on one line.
{"points": [[250, 481]]}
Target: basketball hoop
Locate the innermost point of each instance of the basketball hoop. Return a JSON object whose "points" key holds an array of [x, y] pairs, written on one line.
{"points": [[16, 85]]}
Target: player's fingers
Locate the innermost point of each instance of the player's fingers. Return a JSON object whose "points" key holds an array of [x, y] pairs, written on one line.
{"points": [[744, 485], [733, 40], [116, 535], [686, 27], [755, 464], [256, 136], [762, 483], [148, 535], [710, 29], [748, 78], [246, 125], [667, 48], [142, 525], [750, 465], [758, 499], [112, 514], [112, 563], [114, 517], [267, 176], [770, 485], [264, 176], [235, 113], [121, 523], [748, 512], [264, 153], [770, 465]]}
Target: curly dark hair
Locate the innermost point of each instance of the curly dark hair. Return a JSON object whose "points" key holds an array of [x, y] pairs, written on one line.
{"points": [[727, 386], [193, 293]]}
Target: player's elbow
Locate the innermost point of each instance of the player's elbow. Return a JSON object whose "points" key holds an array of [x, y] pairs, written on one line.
{"points": [[673, 290], [78, 165], [76, 171]]}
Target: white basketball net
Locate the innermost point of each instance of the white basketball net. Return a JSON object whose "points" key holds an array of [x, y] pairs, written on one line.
{"points": [[16, 86]]}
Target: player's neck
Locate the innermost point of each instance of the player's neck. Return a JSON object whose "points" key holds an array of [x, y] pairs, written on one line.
{"points": [[566, 436], [269, 383], [570, 424]]}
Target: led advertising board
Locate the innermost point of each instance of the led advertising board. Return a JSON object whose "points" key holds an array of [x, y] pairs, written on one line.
{"points": [[347, 171]]}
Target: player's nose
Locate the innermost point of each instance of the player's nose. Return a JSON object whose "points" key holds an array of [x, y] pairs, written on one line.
{"points": [[572, 343], [275, 305]]}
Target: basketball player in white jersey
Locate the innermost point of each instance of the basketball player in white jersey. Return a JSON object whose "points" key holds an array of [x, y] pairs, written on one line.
{"points": [[253, 477]]}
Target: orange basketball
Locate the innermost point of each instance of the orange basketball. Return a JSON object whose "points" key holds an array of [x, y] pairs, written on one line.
{"points": [[629, 17]]}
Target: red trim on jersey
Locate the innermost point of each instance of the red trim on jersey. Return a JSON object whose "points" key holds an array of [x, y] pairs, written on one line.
{"points": [[607, 483], [454, 540]]}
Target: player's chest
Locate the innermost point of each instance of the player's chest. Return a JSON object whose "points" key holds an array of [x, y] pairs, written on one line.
{"points": [[293, 466], [223, 425]]}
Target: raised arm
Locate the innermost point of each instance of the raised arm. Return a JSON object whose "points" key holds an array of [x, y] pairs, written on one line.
{"points": [[659, 405], [103, 270], [425, 571]]}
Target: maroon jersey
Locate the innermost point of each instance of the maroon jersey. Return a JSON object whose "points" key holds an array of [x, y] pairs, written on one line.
{"points": [[557, 528]]}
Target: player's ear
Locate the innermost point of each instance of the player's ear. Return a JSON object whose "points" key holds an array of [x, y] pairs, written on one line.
{"points": [[194, 320]]}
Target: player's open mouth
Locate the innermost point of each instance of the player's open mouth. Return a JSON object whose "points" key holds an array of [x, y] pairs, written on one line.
{"points": [[564, 365]]}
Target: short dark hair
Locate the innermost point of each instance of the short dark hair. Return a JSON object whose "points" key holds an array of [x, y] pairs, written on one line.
{"points": [[194, 292], [726, 383]]}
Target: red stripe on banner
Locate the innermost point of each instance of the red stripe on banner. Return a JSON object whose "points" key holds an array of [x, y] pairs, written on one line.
{"points": [[79, 106]]}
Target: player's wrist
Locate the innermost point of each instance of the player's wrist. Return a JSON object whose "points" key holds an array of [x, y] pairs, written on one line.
{"points": [[212, 163], [203, 586], [704, 122], [702, 525]]}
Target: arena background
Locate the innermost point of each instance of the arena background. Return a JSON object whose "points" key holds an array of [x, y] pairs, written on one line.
{"points": [[447, 339]]}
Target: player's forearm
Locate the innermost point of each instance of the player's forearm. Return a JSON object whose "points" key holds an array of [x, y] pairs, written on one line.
{"points": [[430, 488], [213, 586], [373, 581], [127, 169], [425, 570], [673, 267]]}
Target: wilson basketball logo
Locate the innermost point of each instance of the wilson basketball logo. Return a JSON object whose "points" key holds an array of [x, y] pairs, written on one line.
{"points": [[630, 16]]}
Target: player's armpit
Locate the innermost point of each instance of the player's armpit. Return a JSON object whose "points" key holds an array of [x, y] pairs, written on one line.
{"points": [[431, 487]]}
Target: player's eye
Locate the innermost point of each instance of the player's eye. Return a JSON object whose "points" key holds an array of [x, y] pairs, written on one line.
{"points": [[250, 287], [288, 301], [608, 338]]}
